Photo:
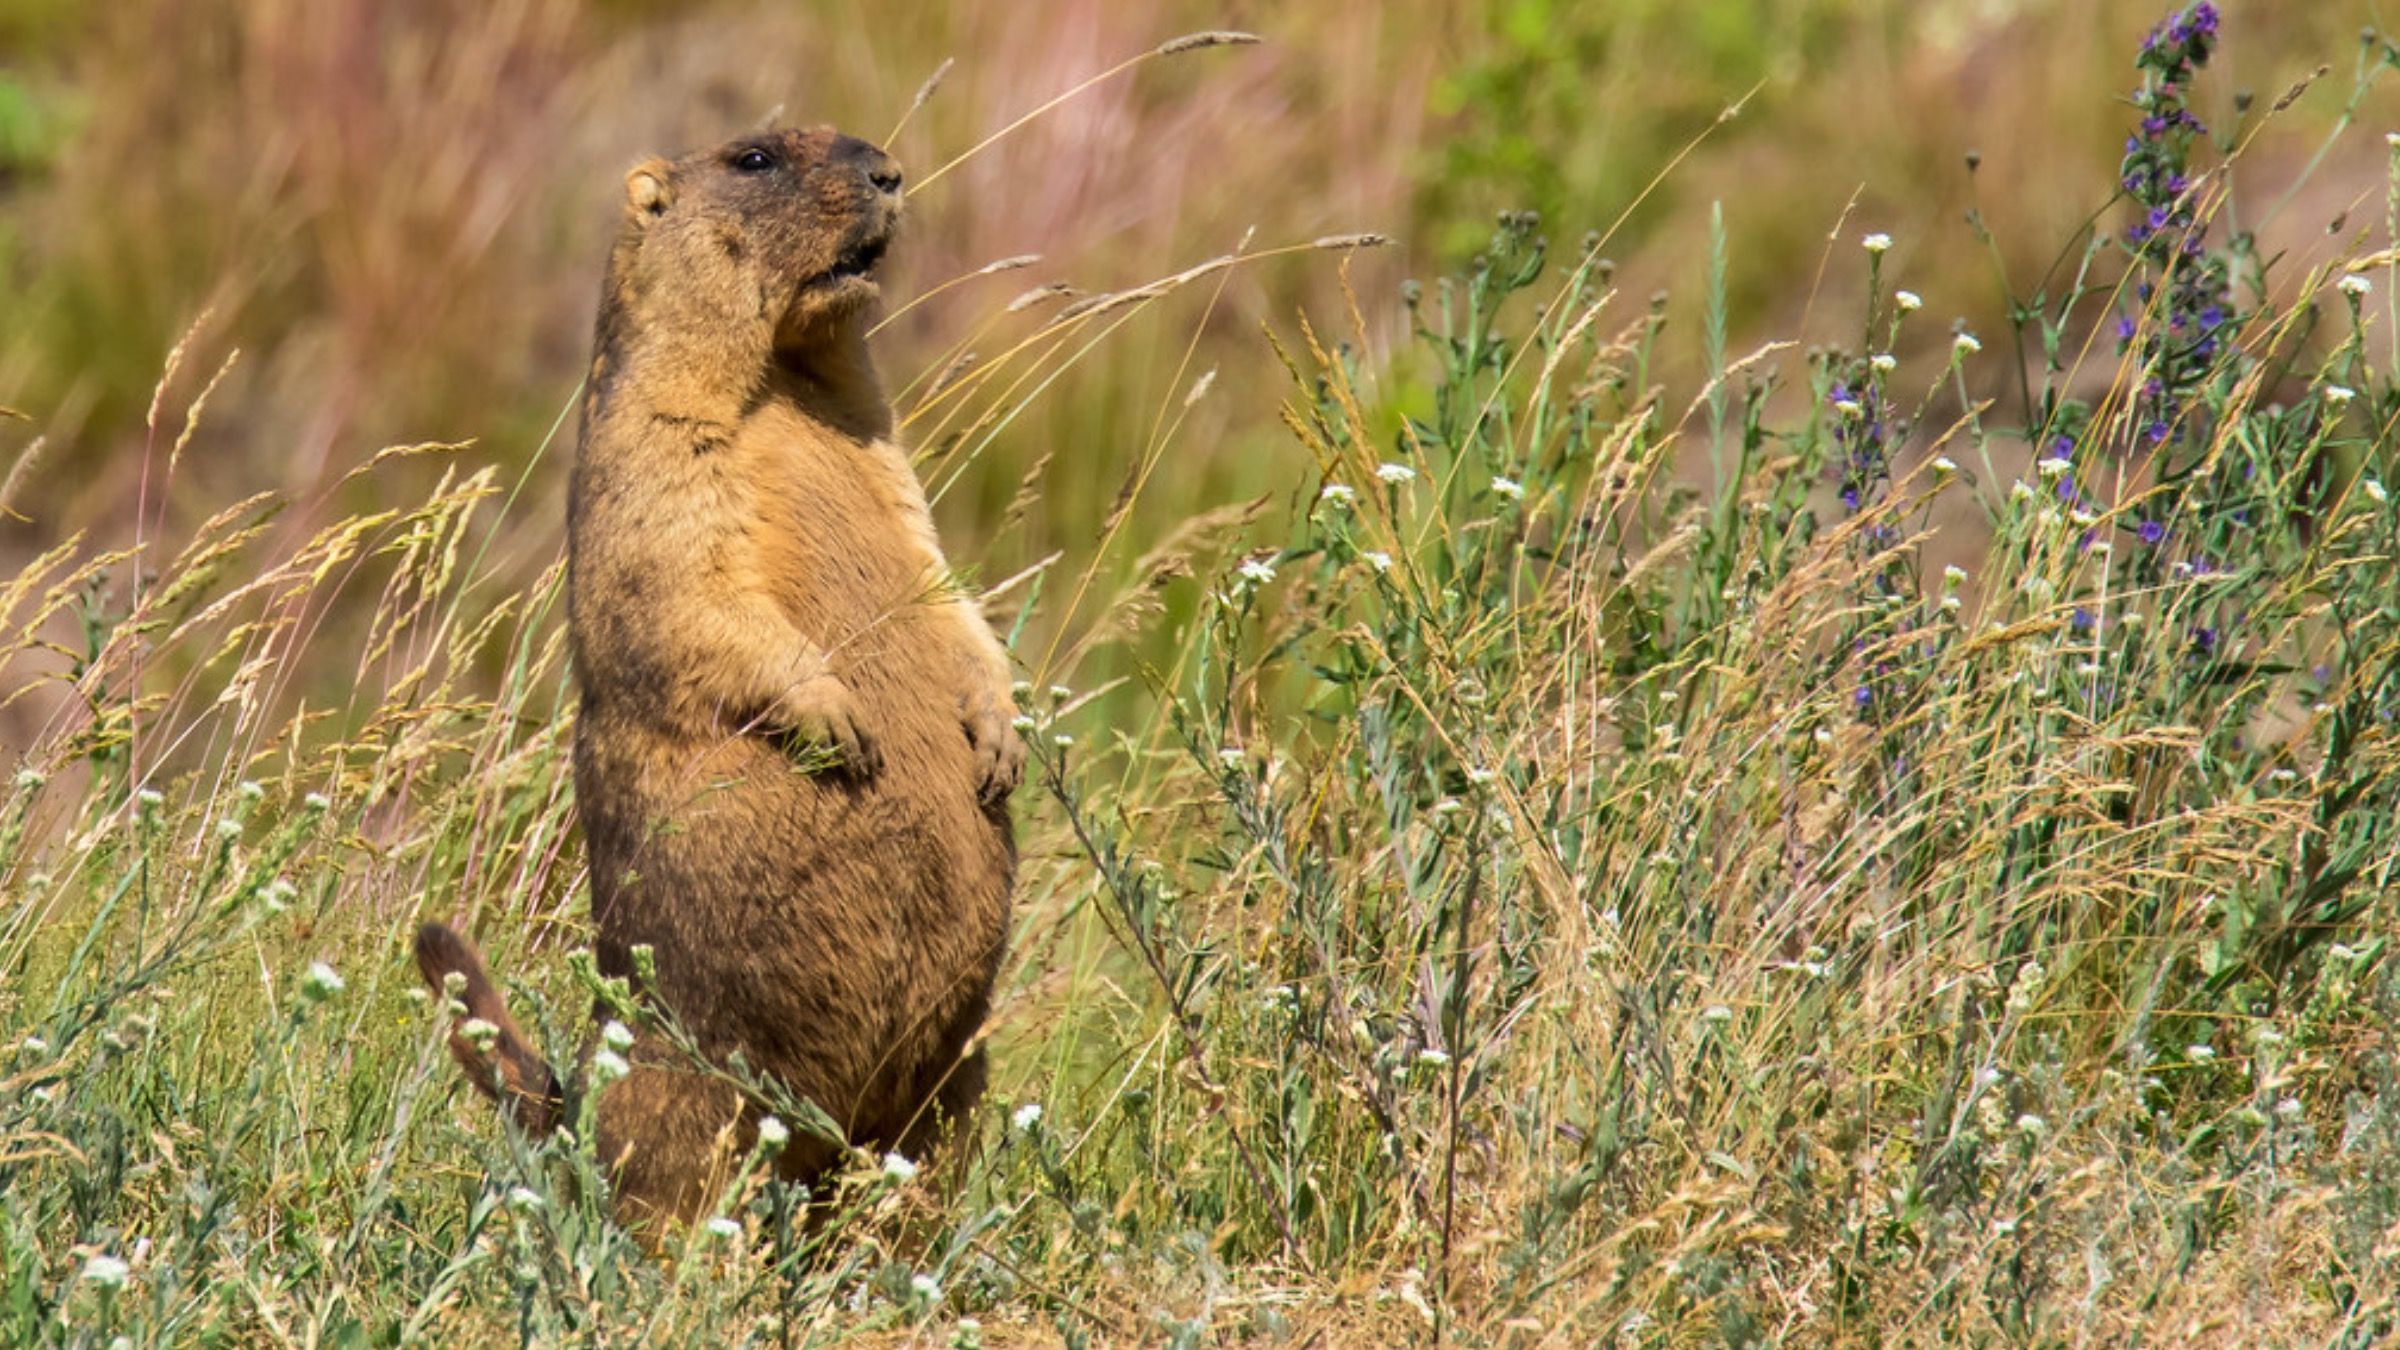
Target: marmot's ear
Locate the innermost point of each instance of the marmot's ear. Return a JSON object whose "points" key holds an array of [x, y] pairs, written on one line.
{"points": [[648, 191]]}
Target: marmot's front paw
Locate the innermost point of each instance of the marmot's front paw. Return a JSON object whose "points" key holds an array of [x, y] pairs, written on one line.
{"points": [[999, 754], [820, 711]]}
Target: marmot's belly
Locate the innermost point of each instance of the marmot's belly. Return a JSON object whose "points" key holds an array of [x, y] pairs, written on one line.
{"points": [[836, 930]]}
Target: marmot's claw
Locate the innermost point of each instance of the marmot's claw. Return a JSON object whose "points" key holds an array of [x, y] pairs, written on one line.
{"points": [[821, 712], [999, 752]]}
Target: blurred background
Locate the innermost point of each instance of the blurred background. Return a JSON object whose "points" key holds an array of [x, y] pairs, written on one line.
{"points": [[397, 209]]}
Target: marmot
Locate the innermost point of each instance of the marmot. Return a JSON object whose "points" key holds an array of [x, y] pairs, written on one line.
{"points": [[795, 743]]}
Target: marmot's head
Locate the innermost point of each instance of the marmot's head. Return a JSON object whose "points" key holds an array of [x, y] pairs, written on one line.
{"points": [[782, 230]]}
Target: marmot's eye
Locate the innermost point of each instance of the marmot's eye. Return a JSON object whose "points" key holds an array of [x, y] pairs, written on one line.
{"points": [[754, 161]]}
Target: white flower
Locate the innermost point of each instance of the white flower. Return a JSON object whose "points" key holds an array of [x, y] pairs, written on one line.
{"points": [[1432, 1058], [1340, 494], [2339, 395], [1509, 488], [33, 1045], [1026, 1116], [524, 1199], [1884, 363], [897, 1169], [278, 894], [29, 779], [608, 1066], [250, 791], [1059, 693], [1850, 408], [1965, 344], [2356, 286], [1876, 242], [1954, 575], [773, 1133], [616, 1036], [1944, 465], [149, 799], [1908, 301], [2289, 1109], [317, 801], [1231, 757], [2019, 491], [1950, 604], [1257, 570], [320, 982], [1448, 806], [1394, 473], [723, 1228], [2032, 1124], [480, 1034], [1021, 722], [229, 829], [2052, 468], [925, 1287], [1716, 1012], [1381, 562], [1480, 775], [1062, 740], [2373, 489], [106, 1271]]}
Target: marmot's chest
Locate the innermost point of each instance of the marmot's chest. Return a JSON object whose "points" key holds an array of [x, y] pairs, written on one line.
{"points": [[840, 531]]}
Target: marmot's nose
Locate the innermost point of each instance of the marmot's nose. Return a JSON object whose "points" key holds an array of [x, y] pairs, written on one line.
{"points": [[880, 169]]}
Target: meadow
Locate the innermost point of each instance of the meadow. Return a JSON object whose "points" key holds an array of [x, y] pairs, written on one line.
{"points": [[1705, 674]]}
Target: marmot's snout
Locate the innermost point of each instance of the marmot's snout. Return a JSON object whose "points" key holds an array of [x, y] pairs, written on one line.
{"points": [[881, 171]]}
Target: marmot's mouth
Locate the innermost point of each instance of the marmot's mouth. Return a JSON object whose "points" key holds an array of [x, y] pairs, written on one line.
{"points": [[860, 259]]}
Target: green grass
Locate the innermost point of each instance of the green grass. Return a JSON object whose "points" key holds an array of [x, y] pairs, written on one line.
{"points": [[1552, 873]]}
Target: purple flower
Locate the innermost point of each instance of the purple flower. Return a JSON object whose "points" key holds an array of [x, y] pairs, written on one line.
{"points": [[1863, 696], [2125, 328], [2156, 431], [2081, 620], [2152, 532], [2211, 317], [1850, 497], [2204, 640], [2063, 446]]}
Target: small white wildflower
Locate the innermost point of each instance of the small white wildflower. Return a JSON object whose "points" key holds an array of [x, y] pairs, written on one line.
{"points": [[1021, 723], [229, 830], [897, 1169], [2265, 1035], [1716, 1012], [1431, 1058], [1026, 1117], [1480, 776], [925, 1287], [2339, 395], [1448, 806], [2020, 491], [1950, 604], [2374, 490], [1965, 344], [1954, 576], [1394, 473], [250, 791], [107, 1271], [1877, 242], [29, 779], [2031, 1124], [1059, 693], [320, 982], [2054, 467], [1062, 740], [1944, 465], [1232, 758], [1381, 562], [2356, 286], [480, 1034], [2289, 1110], [524, 1199], [317, 801], [33, 1045], [1339, 494], [278, 894], [723, 1229], [149, 799], [1509, 488], [608, 1066], [1908, 302], [1850, 408], [967, 1334], [1883, 363], [1023, 689], [773, 1133], [616, 1036], [1257, 571], [1823, 737]]}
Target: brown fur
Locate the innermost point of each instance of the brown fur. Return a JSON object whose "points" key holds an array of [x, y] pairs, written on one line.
{"points": [[756, 589]]}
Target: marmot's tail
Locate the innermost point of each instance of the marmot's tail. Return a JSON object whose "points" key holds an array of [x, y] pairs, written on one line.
{"points": [[505, 1067]]}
